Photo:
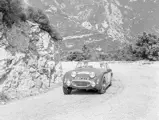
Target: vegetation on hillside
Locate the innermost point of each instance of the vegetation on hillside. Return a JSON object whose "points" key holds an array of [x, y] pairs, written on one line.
{"points": [[84, 54], [146, 47], [14, 12]]}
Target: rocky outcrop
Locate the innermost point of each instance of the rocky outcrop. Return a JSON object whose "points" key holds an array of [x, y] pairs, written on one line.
{"points": [[30, 69]]}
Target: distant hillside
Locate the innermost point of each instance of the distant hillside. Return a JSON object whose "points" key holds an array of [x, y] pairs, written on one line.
{"points": [[107, 23]]}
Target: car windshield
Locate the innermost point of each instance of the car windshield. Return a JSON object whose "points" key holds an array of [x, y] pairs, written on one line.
{"points": [[91, 65], [83, 65]]}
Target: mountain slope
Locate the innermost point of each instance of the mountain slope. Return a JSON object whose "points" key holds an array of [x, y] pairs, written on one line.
{"points": [[98, 21]]}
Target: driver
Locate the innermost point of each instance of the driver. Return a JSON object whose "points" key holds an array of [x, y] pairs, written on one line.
{"points": [[85, 64], [80, 64]]}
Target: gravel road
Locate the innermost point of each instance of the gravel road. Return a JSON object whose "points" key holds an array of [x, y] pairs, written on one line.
{"points": [[134, 95]]}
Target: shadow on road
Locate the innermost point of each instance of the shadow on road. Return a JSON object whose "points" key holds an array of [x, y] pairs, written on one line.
{"points": [[115, 88], [84, 92]]}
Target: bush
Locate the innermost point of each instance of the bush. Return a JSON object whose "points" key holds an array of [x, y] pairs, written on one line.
{"points": [[147, 47], [38, 16], [14, 12], [79, 56], [75, 56]]}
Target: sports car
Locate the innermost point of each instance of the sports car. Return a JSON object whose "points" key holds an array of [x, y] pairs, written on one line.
{"points": [[87, 76]]}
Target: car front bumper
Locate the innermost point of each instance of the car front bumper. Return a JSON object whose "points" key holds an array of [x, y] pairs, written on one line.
{"points": [[83, 84]]}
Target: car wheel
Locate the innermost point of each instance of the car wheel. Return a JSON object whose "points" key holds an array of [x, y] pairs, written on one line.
{"points": [[67, 90], [103, 88], [111, 78]]}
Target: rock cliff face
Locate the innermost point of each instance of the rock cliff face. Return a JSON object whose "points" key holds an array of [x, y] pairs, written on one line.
{"points": [[106, 22], [29, 69]]}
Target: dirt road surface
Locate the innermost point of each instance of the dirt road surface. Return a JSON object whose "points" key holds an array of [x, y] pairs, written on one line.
{"points": [[134, 95]]}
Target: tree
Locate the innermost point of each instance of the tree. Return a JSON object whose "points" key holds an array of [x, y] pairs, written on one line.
{"points": [[147, 47], [75, 56], [12, 11], [86, 52]]}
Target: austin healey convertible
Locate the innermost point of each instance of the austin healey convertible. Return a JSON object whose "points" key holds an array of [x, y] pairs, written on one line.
{"points": [[87, 76]]}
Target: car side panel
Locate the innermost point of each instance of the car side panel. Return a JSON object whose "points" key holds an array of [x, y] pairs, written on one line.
{"points": [[107, 74]]}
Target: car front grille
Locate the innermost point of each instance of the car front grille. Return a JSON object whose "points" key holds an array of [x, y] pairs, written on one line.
{"points": [[81, 83], [82, 78]]}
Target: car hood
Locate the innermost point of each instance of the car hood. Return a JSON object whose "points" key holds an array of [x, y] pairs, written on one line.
{"points": [[85, 70]]}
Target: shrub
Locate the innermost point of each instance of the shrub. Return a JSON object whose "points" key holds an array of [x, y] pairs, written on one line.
{"points": [[14, 12], [75, 56], [147, 47], [38, 16], [79, 56]]}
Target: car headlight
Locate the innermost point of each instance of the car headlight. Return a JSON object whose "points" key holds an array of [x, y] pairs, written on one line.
{"points": [[93, 84], [73, 74], [92, 74], [68, 83]]}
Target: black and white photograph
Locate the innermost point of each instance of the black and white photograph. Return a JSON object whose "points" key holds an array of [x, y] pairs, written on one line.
{"points": [[79, 59]]}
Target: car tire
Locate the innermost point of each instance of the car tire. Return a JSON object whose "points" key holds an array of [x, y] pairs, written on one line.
{"points": [[67, 90], [102, 90], [111, 79]]}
